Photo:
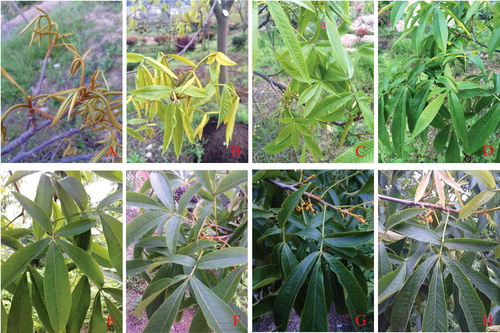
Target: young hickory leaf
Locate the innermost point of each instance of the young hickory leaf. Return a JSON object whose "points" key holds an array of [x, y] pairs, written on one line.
{"points": [[440, 29], [18, 261], [314, 315], [84, 261], [483, 176], [218, 314], [289, 290], [289, 38], [80, 301], [422, 186], [405, 298], [428, 114], [227, 257], [391, 283], [164, 316], [57, 289], [341, 56], [471, 305], [35, 211], [475, 203], [440, 189], [435, 315], [20, 317]]}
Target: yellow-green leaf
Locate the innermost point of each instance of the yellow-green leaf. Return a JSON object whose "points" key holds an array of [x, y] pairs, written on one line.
{"points": [[289, 38], [428, 114], [476, 202]]}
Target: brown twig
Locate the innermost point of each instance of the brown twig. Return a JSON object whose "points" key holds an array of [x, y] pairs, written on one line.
{"points": [[317, 198], [473, 40], [281, 86]]}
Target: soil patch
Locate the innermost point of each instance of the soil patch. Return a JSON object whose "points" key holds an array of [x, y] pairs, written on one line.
{"points": [[215, 150]]}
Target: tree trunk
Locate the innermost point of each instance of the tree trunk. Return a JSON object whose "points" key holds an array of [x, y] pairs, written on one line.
{"points": [[221, 11]]}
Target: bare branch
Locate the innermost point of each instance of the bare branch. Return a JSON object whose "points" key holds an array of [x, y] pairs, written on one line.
{"points": [[418, 204], [281, 86]]}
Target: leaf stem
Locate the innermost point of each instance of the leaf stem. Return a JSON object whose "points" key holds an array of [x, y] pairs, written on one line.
{"points": [[444, 232], [323, 229]]}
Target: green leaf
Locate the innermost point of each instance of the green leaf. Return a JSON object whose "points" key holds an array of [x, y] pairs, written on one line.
{"points": [[494, 40], [397, 12], [116, 319], [38, 296], [481, 130], [110, 199], [115, 293], [163, 190], [43, 198], [391, 283], [164, 316], [143, 223], [113, 231], [75, 228], [76, 190], [17, 175], [143, 201], [289, 38], [112, 176], [481, 282], [404, 300], [194, 247], [365, 149], [440, 29], [474, 203], [458, 117], [57, 289], [289, 205], [68, 206], [403, 215], [35, 211], [342, 59], [356, 299], [289, 290], [187, 196], [80, 301], [311, 233], [309, 93], [418, 232], [265, 275], [84, 261], [314, 315], [453, 151], [97, 323], [483, 176], [172, 228], [398, 128], [288, 260], [367, 113], [428, 114], [218, 314], [176, 259], [472, 245], [226, 289], [471, 305], [232, 256], [349, 239], [18, 261], [436, 315], [154, 290], [330, 106], [207, 178], [20, 314], [231, 180]]}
